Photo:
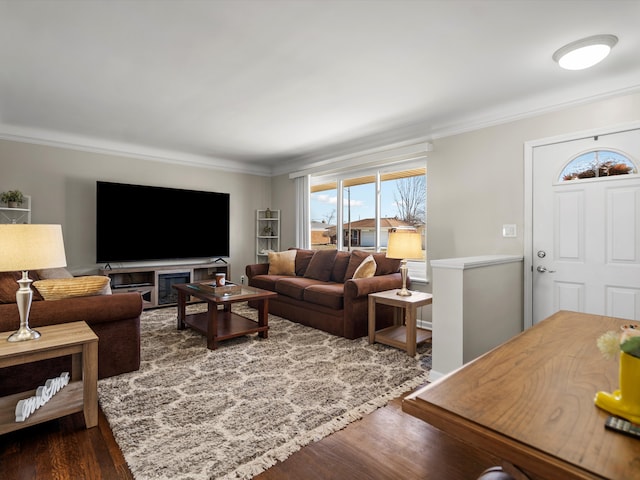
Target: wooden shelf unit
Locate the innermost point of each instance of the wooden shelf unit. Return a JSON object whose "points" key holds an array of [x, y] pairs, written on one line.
{"points": [[20, 214], [267, 233], [154, 282]]}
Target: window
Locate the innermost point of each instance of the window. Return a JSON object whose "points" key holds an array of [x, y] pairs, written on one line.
{"points": [[596, 164], [367, 204]]}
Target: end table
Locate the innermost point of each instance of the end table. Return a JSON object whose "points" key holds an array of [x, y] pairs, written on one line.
{"points": [[80, 395], [404, 333]]}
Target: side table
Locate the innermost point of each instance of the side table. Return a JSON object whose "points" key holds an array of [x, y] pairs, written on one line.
{"points": [[81, 393], [404, 333]]}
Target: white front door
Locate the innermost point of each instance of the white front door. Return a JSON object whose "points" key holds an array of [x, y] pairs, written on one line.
{"points": [[586, 232]]}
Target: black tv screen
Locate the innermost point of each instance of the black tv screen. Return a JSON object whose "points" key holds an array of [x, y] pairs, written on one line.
{"points": [[139, 222]]}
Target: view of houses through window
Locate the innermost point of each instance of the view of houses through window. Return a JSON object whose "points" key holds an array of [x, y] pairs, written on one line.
{"points": [[367, 207]]}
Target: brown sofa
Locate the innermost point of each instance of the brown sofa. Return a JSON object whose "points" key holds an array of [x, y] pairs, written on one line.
{"points": [[114, 318], [323, 294]]}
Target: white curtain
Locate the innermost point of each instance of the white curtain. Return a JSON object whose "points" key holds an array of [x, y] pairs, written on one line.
{"points": [[303, 224]]}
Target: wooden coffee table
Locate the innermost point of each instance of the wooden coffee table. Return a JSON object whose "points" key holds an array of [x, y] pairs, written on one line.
{"points": [[222, 324]]}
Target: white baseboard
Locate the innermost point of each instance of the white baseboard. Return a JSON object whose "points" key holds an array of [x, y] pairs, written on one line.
{"points": [[423, 324]]}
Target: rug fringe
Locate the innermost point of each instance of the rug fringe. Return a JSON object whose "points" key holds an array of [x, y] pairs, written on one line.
{"points": [[269, 459]]}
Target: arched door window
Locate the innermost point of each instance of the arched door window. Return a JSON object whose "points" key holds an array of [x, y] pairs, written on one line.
{"points": [[597, 163]]}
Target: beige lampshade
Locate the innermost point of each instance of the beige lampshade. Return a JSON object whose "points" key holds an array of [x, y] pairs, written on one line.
{"points": [[404, 244], [31, 247]]}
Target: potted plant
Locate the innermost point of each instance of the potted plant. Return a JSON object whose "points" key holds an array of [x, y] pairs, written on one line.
{"points": [[12, 198], [625, 401]]}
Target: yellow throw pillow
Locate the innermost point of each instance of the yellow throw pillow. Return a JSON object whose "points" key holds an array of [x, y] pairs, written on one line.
{"points": [[282, 263], [58, 288], [366, 269]]}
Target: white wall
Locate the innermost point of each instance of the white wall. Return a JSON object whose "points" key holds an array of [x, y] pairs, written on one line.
{"points": [[62, 182]]}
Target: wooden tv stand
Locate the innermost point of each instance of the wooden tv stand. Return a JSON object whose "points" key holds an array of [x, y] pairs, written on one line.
{"points": [[154, 282]]}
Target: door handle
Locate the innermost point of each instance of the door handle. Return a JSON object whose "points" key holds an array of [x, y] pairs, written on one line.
{"points": [[542, 269]]}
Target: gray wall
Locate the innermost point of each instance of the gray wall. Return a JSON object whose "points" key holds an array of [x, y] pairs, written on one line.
{"points": [[62, 183], [475, 181]]}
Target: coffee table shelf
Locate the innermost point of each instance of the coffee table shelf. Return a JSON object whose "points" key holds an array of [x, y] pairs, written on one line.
{"points": [[230, 324], [221, 324]]}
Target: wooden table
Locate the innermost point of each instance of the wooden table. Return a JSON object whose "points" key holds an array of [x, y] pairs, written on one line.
{"points": [[80, 395], [404, 333], [218, 325], [530, 401]]}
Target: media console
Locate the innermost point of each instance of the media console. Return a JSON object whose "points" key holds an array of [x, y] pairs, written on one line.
{"points": [[154, 282]]}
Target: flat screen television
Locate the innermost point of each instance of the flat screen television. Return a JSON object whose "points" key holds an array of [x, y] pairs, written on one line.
{"points": [[140, 222]]}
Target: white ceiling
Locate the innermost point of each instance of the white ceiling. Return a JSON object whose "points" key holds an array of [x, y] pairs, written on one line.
{"points": [[264, 85]]}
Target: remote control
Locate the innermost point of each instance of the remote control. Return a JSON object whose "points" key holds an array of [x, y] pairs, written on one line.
{"points": [[623, 426]]}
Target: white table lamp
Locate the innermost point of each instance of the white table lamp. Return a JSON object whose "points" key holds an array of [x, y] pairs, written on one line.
{"points": [[27, 247], [404, 243]]}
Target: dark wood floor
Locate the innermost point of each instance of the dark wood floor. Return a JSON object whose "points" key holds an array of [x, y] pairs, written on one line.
{"points": [[387, 444]]}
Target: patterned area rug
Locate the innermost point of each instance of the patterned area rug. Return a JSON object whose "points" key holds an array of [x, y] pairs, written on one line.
{"points": [[193, 413]]}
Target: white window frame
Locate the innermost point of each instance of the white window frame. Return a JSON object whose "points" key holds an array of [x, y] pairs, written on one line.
{"points": [[419, 269]]}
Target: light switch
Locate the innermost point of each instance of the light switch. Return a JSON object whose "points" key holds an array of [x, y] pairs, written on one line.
{"points": [[509, 230]]}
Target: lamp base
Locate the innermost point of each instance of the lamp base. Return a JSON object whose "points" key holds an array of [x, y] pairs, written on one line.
{"points": [[23, 334], [23, 299], [404, 292]]}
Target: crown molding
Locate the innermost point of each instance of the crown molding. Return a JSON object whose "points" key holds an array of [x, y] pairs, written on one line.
{"points": [[504, 114], [323, 158], [94, 145]]}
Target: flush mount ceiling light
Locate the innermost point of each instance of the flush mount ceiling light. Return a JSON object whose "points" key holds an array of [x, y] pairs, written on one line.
{"points": [[586, 52]]}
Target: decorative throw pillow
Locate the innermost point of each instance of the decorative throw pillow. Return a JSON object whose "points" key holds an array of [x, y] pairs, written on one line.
{"points": [[303, 257], [340, 265], [47, 273], [356, 258], [366, 269], [321, 265], [386, 265], [9, 286], [59, 288], [282, 263]]}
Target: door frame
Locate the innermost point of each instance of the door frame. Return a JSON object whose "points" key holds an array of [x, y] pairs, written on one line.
{"points": [[528, 200]]}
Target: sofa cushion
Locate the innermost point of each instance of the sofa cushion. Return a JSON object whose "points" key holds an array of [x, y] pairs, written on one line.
{"points": [[356, 258], [9, 286], [330, 295], [58, 288], [340, 265], [266, 282], [303, 257], [385, 265], [294, 286], [321, 265], [282, 263], [366, 269]]}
